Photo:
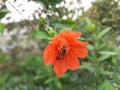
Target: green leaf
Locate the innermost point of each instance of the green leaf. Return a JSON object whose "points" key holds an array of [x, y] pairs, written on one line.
{"points": [[103, 57], [84, 66], [116, 77], [69, 22], [87, 66], [101, 70], [49, 80], [108, 53], [90, 47], [43, 20], [3, 79], [67, 28], [3, 12], [40, 34], [51, 31], [88, 21], [91, 27], [67, 25], [58, 83], [106, 86], [107, 73], [2, 27], [102, 33]]}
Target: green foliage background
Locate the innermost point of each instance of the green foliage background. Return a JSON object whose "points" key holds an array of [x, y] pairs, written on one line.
{"points": [[100, 70]]}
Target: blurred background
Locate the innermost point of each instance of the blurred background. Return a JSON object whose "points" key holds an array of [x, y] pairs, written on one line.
{"points": [[23, 37]]}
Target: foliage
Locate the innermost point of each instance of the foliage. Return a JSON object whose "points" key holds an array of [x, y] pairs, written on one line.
{"points": [[49, 2], [3, 11], [107, 12], [99, 71], [2, 27]]}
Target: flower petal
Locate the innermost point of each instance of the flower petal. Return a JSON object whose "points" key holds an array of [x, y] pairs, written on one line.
{"points": [[79, 43], [83, 43], [70, 35], [60, 67], [73, 62], [49, 54], [79, 51]]}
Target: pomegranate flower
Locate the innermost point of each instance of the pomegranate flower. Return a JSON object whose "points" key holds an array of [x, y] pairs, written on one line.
{"points": [[63, 52]]}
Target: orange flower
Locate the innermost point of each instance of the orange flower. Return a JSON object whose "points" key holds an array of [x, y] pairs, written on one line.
{"points": [[63, 52]]}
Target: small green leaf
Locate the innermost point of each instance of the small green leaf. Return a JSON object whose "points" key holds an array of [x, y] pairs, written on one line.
{"points": [[40, 34], [102, 33], [67, 28], [87, 66], [84, 66], [69, 22], [51, 31], [91, 27], [90, 47], [43, 20], [88, 21], [49, 80], [67, 25], [108, 53], [2, 27], [107, 73], [3, 12], [58, 83], [116, 77], [106, 86], [103, 57]]}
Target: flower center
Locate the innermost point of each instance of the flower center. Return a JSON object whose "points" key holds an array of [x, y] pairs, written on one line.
{"points": [[62, 52]]}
